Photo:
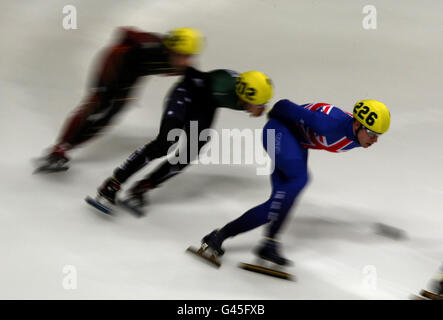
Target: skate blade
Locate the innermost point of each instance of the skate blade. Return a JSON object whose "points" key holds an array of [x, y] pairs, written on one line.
{"points": [[267, 271], [208, 258], [124, 204], [430, 296], [99, 206]]}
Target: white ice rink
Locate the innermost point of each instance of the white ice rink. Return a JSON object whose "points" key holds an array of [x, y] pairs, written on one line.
{"points": [[315, 51]]}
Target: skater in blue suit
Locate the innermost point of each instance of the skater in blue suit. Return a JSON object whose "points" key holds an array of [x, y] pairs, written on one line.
{"points": [[297, 129]]}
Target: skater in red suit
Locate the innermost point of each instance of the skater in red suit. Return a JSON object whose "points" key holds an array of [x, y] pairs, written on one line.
{"points": [[133, 55]]}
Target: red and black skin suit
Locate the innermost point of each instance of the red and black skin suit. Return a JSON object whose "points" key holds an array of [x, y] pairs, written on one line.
{"points": [[133, 55]]}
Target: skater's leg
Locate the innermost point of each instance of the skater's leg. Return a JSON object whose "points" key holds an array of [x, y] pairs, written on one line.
{"points": [[136, 198], [108, 93], [78, 128], [138, 159], [196, 120], [291, 160], [288, 179], [153, 150], [101, 118], [274, 210], [173, 118], [295, 178], [110, 82], [169, 169]]}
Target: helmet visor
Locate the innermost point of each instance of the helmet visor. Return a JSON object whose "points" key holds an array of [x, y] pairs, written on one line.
{"points": [[371, 133]]}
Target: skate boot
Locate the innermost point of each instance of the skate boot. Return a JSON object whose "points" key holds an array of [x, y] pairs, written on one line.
{"points": [[269, 251], [136, 200], [55, 161], [106, 196], [214, 242]]}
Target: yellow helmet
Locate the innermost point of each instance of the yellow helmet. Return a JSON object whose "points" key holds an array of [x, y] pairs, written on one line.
{"points": [[184, 41], [372, 114], [254, 87]]}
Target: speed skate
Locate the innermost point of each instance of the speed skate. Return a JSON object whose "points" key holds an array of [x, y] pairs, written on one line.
{"points": [[427, 295], [206, 253], [267, 268], [107, 207], [131, 207]]}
